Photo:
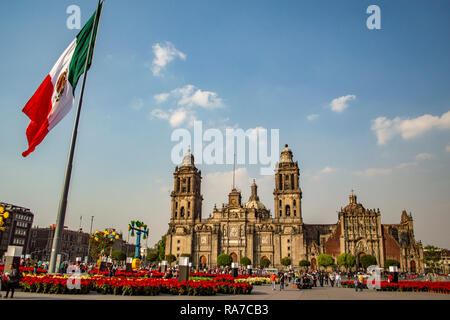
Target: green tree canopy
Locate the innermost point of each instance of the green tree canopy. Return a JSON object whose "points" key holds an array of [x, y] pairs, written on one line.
{"points": [[264, 262], [368, 260], [170, 258], [391, 263], [304, 263], [286, 261], [346, 260], [245, 261], [224, 260], [118, 255], [161, 248], [152, 256], [325, 260]]}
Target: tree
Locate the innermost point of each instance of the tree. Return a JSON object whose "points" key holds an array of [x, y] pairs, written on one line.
{"points": [[224, 260], [325, 260], [431, 257], [99, 243], [118, 255], [152, 256], [286, 261], [391, 263], [367, 260], [245, 261], [161, 248], [264, 262], [170, 258], [304, 263], [346, 260]]}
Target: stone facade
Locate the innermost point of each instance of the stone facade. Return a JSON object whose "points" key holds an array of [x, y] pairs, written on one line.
{"points": [[248, 229]]}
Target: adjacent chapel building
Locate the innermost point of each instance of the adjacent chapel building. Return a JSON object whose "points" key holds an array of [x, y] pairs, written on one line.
{"points": [[249, 229]]}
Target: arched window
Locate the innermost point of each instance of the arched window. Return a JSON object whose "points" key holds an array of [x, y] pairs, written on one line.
{"points": [[182, 212], [295, 203], [281, 213], [295, 213], [280, 182], [281, 203], [292, 181], [288, 211], [175, 214]]}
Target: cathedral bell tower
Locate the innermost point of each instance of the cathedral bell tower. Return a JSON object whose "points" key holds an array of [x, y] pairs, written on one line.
{"points": [[287, 193], [186, 195]]}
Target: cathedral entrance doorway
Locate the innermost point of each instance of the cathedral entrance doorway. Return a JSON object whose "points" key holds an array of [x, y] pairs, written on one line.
{"points": [[234, 257], [313, 264], [413, 266], [203, 261]]}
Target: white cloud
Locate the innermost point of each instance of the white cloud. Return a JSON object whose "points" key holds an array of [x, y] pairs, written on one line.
{"points": [[374, 172], [341, 103], [406, 165], [160, 98], [312, 117], [328, 170], [425, 156], [175, 117], [190, 96], [164, 53], [385, 129], [159, 114]]}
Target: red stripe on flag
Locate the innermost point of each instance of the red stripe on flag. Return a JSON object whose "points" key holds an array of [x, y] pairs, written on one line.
{"points": [[38, 109]]}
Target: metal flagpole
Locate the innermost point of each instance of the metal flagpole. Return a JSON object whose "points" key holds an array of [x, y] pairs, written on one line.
{"points": [[65, 191]]}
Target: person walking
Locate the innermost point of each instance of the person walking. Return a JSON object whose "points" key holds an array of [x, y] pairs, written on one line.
{"points": [[338, 280], [332, 279], [282, 278], [356, 283], [12, 281], [321, 279], [273, 279]]}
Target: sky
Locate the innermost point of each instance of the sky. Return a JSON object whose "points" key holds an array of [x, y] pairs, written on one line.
{"points": [[361, 109]]}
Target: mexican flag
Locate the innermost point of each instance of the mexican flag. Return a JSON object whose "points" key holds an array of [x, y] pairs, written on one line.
{"points": [[55, 96]]}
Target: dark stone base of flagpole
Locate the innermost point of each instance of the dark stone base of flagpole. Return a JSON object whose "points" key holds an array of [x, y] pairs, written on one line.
{"points": [[234, 272], [249, 272], [183, 274]]}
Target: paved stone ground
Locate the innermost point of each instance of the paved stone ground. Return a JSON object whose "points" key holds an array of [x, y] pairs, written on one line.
{"points": [[264, 292]]}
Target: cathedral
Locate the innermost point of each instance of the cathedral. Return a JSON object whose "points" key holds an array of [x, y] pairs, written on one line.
{"points": [[249, 229]]}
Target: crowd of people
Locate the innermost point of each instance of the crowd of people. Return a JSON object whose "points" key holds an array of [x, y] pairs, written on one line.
{"points": [[305, 280]]}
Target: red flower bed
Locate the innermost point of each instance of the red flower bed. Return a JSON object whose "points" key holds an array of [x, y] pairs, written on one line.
{"points": [[131, 286], [25, 269]]}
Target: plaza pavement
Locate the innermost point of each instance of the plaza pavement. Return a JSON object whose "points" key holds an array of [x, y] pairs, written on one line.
{"points": [[264, 292]]}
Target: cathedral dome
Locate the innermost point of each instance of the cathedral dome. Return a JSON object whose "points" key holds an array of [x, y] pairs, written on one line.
{"points": [[188, 159], [253, 201], [286, 155]]}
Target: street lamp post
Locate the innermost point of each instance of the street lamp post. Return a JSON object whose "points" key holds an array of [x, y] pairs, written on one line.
{"points": [[141, 229]]}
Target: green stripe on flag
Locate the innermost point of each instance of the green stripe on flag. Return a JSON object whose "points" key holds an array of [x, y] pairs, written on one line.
{"points": [[76, 67]]}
